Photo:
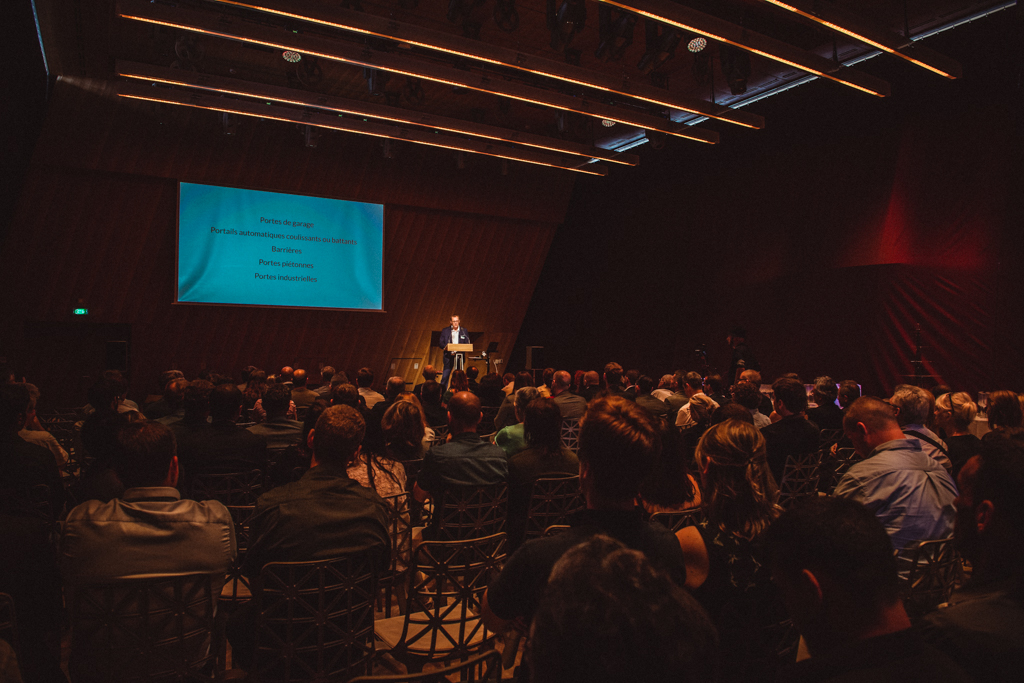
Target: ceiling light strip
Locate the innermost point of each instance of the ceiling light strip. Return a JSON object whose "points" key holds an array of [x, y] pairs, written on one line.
{"points": [[706, 25], [837, 19], [138, 91], [231, 28], [238, 87], [382, 27]]}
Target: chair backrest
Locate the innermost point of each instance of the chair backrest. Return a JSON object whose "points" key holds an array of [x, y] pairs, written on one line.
{"points": [[236, 587], [279, 465], [440, 435], [800, 477], [680, 519], [315, 620], [399, 511], [571, 433], [929, 571], [555, 529], [483, 668], [233, 488], [553, 500], [470, 512], [446, 589], [143, 629], [833, 468], [829, 437]]}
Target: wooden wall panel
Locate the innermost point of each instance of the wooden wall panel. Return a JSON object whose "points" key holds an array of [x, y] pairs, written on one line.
{"points": [[96, 222]]}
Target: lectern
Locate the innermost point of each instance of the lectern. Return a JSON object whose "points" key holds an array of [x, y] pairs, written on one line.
{"points": [[460, 351]]}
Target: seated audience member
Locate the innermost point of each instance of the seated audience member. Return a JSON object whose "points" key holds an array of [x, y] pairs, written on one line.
{"points": [[120, 385], [731, 411], [326, 375], [693, 385], [150, 530], [174, 399], [348, 395], [1004, 411], [302, 396], [910, 492], [512, 439], [426, 438], [591, 385], [507, 383], [472, 372], [644, 399], [613, 385], [982, 625], [913, 407], [253, 392], [392, 390], [664, 389], [725, 567], [954, 414], [456, 383], [827, 415], [618, 446], [754, 377], [714, 388], [569, 404], [577, 382], [629, 380], [286, 376], [793, 434], [669, 487], [833, 564], [491, 395], [364, 380], [749, 396], [158, 405], [33, 431], [608, 616], [678, 398], [544, 457], [279, 430], [429, 375], [324, 515], [433, 409], [223, 446], [849, 391], [379, 468], [28, 563], [465, 460], [506, 416]]}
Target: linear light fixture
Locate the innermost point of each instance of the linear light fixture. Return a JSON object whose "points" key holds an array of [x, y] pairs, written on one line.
{"points": [[263, 92], [860, 29], [149, 93], [706, 25], [382, 27], [231, 28]]}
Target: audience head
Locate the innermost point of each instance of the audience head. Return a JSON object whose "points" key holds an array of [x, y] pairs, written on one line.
{"points": [[431, 393], [197, 400], [732, 411], [394, 387], [15, 401], [825, 390], [849, 391], [276, 401], [144, 455], [739, 491], [591, 378], [989, 529], [665, 382], [608, 616], [560, 382], [701, 407], [106, 393], [833, 563], [523, 398], [457, 381], [403, 427], [632, 376], [523, 379], [429, 372], [507, 379], [326, 374], [913, 405], [542, 422], [955, 412], [1004, 410], [168, 375], [225, 403], [747, 395], [790, 396], [577, 380], [345, 395], [752, 376], [364, 378], [870, 422], [618, 444], [463, 412], [644, 385], [714, 384], [612, 374], [693, 383], [940, 390], [285, 375], [299, 377], [546, 377], [316, 409], [338, 433], [174, 392], [472, 372]]}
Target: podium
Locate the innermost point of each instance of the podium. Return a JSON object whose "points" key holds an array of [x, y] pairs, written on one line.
{"points": [[460, 351]]}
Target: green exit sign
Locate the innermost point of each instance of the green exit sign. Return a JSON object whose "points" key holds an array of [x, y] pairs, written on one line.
{"points": [[81, 311]]}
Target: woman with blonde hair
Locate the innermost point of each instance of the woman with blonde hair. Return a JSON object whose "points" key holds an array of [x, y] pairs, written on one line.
{"points": [[725, 570], [954, 414]]}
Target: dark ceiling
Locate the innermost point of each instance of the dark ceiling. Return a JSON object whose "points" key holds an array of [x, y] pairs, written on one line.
{"points": [[93, 39]]}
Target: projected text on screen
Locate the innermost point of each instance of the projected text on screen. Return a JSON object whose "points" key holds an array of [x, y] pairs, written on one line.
{"points": [[259, 248]]}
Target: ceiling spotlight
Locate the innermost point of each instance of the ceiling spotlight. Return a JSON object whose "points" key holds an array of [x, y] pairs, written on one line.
{"points": [[607, 123], [291, 56], [697, 44]]}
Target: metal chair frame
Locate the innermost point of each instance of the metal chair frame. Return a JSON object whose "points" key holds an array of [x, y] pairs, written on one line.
{"points": [[929, 571], [800, 477], [230, 488], [570, 433], [680, 519], [392, 583], [552, 501], [488, 664], [470, 512]]}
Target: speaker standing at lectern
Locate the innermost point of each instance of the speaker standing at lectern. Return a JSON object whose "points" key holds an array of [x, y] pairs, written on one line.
{"points": [[454, 334]]}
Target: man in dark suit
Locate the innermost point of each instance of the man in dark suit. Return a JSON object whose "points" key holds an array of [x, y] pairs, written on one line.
{"points": [[794, 434], [454, 334]]}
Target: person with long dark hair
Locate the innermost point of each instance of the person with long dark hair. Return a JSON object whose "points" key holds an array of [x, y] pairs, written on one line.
{"points": [[670, 487]]}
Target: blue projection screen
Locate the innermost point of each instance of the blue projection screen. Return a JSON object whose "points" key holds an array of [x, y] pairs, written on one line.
{"points": [[253, 248]]}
